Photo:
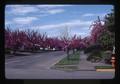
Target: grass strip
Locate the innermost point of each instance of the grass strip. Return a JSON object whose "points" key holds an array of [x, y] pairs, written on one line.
{"points": [[103, 67], [74, 59], [68, 65]]}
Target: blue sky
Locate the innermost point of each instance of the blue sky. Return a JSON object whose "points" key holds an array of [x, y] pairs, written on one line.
{"points": [[55, 19]]}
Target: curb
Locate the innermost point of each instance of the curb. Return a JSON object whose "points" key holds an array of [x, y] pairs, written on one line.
{"points": [[57, 61], [105, 70]]}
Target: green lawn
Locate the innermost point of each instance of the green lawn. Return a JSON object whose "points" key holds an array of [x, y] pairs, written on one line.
{"points": [[103, 67], [68, 65], [74, 59]]}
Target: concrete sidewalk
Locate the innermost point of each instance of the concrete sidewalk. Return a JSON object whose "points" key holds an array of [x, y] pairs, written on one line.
{"points": [[87, 65]]}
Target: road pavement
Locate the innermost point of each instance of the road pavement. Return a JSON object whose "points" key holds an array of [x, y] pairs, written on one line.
{"points": [[43, 59], [38, 67]]}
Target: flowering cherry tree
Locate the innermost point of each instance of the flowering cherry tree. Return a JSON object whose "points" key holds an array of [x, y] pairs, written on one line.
{"points": [[97, 28]]}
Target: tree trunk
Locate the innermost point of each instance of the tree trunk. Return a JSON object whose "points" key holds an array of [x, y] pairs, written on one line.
{"points": [[68, 54], [73, 51]]}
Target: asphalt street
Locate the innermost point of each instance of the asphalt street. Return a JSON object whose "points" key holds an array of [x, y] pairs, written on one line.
{"points": [[38, 67], [42, 59]]}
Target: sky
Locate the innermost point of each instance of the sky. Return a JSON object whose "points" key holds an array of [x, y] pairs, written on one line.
{"points": [[55, 20]]}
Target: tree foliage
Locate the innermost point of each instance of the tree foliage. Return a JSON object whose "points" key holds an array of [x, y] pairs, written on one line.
{"points": [[109, 22], [104, 33], [29, 39], [107, 40]]}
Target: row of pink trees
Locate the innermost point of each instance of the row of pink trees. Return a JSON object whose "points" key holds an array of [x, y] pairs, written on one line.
{"points": [[28, 39], [32, 40]]}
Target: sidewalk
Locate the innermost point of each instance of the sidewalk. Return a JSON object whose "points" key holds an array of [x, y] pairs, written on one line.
{"points": [[87, 65]]}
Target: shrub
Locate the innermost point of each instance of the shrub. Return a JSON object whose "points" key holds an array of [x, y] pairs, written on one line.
{"points": [[92, 48], [95, 56], [7, 51], [107, 57]]}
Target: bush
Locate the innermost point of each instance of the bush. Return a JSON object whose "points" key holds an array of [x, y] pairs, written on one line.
{"points": [[7, 51], [92, 48], [107, 57], [95, 56]]}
